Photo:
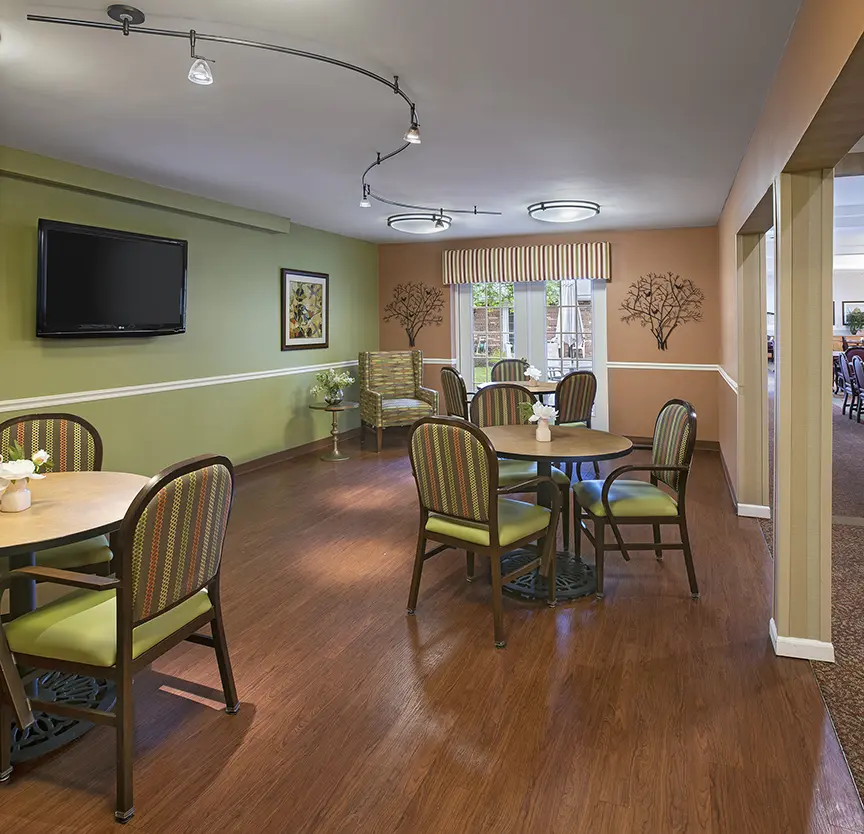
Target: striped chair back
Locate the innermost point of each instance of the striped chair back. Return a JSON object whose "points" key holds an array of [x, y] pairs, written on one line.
{"points": [[455, 393], [509, 370], [674, 439], [852, 352], [453, 468], [394, 374], [498, 405], [858, 371], [849, 382], [73, 443], [574, 397], [173, 534]]}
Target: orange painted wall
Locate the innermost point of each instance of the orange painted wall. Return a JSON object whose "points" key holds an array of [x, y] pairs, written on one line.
{"points": [[634, 395], [823, 37]]}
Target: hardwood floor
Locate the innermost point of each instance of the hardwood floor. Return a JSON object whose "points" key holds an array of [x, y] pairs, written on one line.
{"points": [[648, 712]]}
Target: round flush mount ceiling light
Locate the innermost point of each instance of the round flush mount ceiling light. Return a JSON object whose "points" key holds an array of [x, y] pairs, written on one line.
{"points": [[420, 223], [563, 211]]}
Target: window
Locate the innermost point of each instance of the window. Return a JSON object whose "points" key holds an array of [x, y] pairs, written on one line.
{"points": [[558, 326], [492, 327]]}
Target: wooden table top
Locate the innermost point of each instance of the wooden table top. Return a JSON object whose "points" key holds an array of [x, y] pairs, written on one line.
{"points": [[69, 506], [345, 405], [567, 444], [537, 388]]}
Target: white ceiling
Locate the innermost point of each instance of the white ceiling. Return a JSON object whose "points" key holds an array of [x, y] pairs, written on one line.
{"points": [[644, 107]]}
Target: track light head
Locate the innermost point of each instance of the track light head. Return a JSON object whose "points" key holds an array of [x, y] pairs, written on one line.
{"points": [[199, 73], [412, 135]]}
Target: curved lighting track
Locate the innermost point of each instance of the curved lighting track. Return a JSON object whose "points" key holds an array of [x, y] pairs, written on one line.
{"points": [[129, 19]]}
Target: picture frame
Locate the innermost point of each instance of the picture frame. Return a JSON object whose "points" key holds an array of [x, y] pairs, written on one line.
{"points": [[305, 309], [848, 307]]}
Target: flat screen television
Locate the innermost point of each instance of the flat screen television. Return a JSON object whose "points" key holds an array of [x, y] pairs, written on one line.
{"points": [[100, 282]]}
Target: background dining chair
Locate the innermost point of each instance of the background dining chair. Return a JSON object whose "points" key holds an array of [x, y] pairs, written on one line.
{"points": [[849, 386], [574, 400], [455, 393], [166, 588], [499, 405], [852, 352], [618, 502], [858, 377], [74, 446], [392, 392], [468, 511], [509, 370]]}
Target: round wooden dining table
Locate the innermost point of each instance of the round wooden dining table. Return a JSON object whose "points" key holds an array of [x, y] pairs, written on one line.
{"points": [[573, 578], [66, 507]]}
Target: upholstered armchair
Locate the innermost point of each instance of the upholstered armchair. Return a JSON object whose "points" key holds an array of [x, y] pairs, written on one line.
{"points": [[392, 392]]}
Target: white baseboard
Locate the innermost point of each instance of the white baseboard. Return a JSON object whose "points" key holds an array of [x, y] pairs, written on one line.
{"points": [[754, 511], [800, 647]]}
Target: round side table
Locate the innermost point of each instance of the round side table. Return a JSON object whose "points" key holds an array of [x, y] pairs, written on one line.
{"points": [[334, 454]]}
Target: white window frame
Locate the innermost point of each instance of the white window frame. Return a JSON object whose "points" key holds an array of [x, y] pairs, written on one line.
{"points": [[529, 306]]}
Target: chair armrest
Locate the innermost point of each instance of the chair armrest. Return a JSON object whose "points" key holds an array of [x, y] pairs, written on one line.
{"points": [[73, 579], [371, 406], [621, 470], [530, 486], [428, 395]]}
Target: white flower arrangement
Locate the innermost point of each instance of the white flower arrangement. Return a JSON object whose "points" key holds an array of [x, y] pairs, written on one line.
{"points": [[533, 373], [21, 468], [537, 412], [330, 381]]}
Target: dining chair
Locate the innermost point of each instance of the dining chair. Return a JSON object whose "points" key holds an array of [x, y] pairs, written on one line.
{"points": [[858, 376], [849, 386], [852, 352], [166, 588], [463, 506], [499, 405], [74, 446], [574, 401], [455, 393], [617, 502], [509, 370]]}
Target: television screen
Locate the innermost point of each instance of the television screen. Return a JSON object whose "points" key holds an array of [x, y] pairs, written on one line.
{"points": [[98, 282]]}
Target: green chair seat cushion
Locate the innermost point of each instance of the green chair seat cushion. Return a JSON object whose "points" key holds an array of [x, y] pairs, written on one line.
{"points": [[404, 410], [581, 424], [516, 520], [626, 498], [82, 627], [77, 555], [512, 472]]}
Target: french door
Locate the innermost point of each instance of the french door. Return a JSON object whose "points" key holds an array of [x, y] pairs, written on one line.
{"points": [[557, 326]]}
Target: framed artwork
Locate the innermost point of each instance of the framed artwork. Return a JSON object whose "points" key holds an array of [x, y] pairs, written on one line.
{"points": [[851, 307], [305, 309]]}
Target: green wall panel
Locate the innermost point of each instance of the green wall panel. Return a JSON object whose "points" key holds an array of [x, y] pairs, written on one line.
{"points": [[233, 316]]}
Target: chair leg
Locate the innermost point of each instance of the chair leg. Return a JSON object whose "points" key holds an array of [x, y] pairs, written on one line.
{"points": [[362, 434], [599, 543], [577, 526], [498, 602], [125, 731], [6, 719], [658, 539], [418, 571], [550, 555], [380, 438], [596, 469], [845, 400], [688, 560], [579, 471], [220, 644], [469, 565], [565, 518]]}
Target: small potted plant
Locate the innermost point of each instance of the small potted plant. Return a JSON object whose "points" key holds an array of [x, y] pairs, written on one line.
{"points": [[331, 384], [16, 473], [855, 321], [542, 415]]}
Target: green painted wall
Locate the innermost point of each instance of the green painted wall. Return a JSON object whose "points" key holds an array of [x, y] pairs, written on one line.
{"points": [[233, 315]]}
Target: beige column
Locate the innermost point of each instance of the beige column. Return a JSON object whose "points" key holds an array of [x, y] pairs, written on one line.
{"points": [[752, 371], [804, 209]]}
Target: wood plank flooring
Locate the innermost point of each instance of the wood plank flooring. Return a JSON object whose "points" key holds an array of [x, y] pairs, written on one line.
{"points": [[648, 712]]}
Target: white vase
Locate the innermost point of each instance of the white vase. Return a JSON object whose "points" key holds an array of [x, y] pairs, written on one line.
{"points": [[15, 498], [543, 434]]}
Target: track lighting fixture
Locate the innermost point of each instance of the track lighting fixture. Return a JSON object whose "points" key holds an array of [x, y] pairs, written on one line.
{"points": [[199, 72], [412, 135], [364, 203]]}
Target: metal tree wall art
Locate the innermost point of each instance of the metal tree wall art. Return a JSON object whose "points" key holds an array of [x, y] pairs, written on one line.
{"points": [[661, 303], [415, 305]]}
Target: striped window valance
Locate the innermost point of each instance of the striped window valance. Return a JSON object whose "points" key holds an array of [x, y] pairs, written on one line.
{"points": [[553, 262]]}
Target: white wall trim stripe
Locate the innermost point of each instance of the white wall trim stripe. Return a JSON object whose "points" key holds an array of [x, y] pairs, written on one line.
{"points": [[754, 511], [439, 361], [662, 366], [729, 381], [800, 647], [55, 400]]}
